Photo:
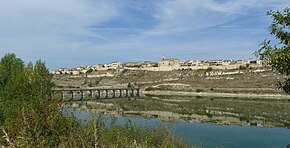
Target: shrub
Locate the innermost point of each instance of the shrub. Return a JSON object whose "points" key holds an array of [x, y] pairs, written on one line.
{"points": [[199, 90], [199, 97], [242, 67], [209, 69]]}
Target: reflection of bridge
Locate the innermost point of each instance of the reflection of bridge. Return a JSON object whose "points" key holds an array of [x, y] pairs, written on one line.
{"points": [[94, 93]]}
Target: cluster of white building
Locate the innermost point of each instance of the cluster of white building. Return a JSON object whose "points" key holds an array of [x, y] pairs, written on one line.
{"points": [[163, 65]]}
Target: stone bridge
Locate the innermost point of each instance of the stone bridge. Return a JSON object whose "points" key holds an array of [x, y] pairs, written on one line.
{"points": [[79, 94]]}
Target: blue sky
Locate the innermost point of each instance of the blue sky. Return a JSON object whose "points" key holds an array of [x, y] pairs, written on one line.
{"points": [[69, 33]]}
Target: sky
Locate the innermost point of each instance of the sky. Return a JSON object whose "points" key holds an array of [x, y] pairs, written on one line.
{"points": [[70, 33]]}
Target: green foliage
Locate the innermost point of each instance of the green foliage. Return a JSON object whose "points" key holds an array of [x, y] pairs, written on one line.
{"points": [[209, 69], [25, 100], [199, 90], [155, 65], [130, 135], [129, 85], [89, 71], [42, 79], [244, 67], [10, 67], [278, 56]]}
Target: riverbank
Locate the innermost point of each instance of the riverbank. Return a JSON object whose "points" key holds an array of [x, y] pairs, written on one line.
{"points": [[215, 94]]}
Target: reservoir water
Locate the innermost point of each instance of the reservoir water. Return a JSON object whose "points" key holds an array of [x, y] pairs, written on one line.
{"points": [[208, 135]]}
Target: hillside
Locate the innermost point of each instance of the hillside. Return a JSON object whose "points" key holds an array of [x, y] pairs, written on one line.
{"points": [[226, 81]]}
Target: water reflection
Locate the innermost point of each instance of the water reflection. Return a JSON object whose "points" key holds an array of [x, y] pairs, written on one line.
{"points": [[224, 111]]}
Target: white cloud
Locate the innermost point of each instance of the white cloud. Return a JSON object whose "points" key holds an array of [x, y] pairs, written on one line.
{"points": [[51, 22], [176, 16]]}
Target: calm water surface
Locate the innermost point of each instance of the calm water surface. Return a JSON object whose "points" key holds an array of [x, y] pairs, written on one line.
{"points": [[209, 135]]}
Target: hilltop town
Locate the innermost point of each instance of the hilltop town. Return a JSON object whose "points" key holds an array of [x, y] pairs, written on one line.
{"points": [[164, 64]]}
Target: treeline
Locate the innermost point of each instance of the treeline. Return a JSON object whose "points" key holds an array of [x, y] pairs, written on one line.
{"points": [[29, 117]]}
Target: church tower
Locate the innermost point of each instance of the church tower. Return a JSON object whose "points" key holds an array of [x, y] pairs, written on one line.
{"points": [[163, 57]]}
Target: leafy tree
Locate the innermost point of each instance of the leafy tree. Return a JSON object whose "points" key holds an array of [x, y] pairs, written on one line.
{"points": [[23, 83], [41, 80], [26, 109], [18, 87], [278, 56], [10, 67]]}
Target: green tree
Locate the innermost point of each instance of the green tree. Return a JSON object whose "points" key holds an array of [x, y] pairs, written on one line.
{"points": [[278, 55], [10, 67], [41, 81], [18, 86], [26, 109]]}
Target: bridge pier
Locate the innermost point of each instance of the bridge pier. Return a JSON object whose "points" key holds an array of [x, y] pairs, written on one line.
{"points": [[114, 93], [62, 96], [82, 95], [99, 94], [127, 93], [91, 94], [120, 96], [107, 94], [132, 93], [138, 92], [72, 95]]}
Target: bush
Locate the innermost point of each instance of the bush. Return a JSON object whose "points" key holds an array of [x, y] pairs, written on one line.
{"points": [[209, 69], [198, 97], [242, 67], [199, 90]]}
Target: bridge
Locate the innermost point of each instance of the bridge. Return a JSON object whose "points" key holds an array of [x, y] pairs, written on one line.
{"points": [[79, 94]]}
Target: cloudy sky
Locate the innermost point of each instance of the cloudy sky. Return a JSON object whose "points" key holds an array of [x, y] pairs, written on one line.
{"points": [[69, 33]]}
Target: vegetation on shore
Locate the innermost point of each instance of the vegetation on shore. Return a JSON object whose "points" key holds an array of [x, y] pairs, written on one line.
{"points": [[29, 117], [278, 56]]}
